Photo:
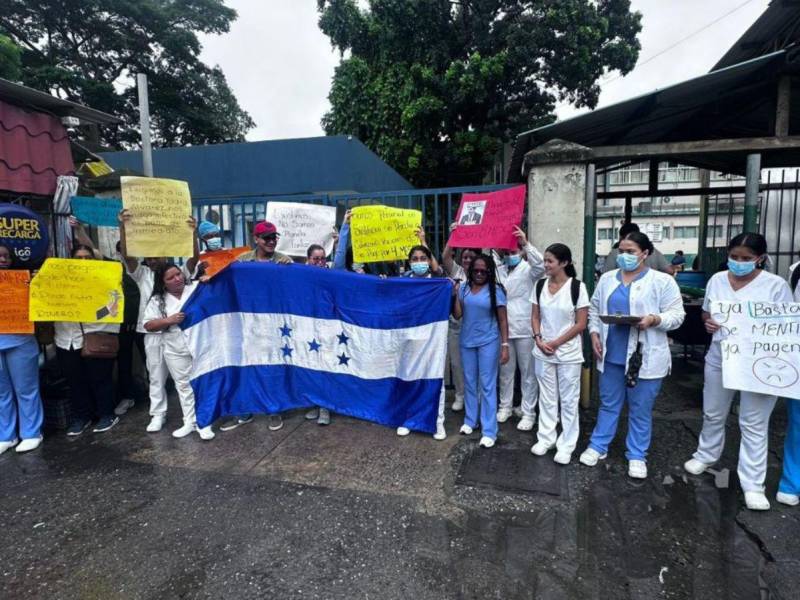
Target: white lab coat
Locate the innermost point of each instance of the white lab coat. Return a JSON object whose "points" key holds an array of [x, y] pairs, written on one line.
{"points": [[655, 293], [519, 284]]}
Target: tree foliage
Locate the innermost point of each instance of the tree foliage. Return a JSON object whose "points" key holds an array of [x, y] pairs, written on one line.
{"points": [[10, 62], [89, 51], [435, 87]]}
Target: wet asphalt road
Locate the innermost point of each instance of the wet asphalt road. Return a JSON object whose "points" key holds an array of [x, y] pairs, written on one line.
{"points": [[353, 511]]}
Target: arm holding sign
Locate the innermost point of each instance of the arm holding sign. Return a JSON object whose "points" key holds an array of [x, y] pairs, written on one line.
{"points": [[448, 261], [422, 242], [340, 257], [79, 235], [532, 254], [191, 263], [130, 263]]}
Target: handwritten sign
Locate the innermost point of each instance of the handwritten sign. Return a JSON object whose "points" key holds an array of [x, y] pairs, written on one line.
{"points": [[14, 288], [86, 291], [760, 344], [219, 259], [301, 225], [24, 233], [159, 209], [383, 233], [101, 212], [488, 220]]}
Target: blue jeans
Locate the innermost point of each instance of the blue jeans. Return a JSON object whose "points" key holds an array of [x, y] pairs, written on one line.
{"points": [[481, 365], [613, 395], [20, 401], [790, 479]]}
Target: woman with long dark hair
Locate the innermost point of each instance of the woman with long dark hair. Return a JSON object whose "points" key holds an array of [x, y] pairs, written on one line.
{"points": [[744, 280], [560, 313], [481, 301], [162, 315]]}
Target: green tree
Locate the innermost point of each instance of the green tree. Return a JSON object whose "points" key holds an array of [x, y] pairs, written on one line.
{"points": [[89, 51], [10, 63], [435, 87]]}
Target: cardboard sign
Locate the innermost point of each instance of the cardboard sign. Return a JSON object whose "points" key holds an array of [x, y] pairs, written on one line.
{"points": [[488, 220], [217, 260], [301, 225], [159, 209], [101, 212], [24, 233], [760, 344], [14, 290], [383, 233], [87, 291]]}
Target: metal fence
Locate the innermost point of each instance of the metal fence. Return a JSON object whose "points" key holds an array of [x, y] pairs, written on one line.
{"points": [[236, 215], [778, 219]]}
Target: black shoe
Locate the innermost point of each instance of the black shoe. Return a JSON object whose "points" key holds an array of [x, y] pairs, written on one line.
{"points": [[78, 427], [275, 422], [234, 422], [105, 423]]}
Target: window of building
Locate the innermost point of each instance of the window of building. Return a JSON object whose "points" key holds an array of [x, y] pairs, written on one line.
{"points": [[666, 232], [605, 233], [684, 232], [714, 232], [735, 229]]}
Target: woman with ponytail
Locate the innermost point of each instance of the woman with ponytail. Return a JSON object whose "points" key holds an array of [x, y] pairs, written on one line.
{"points": [[484, 345], [560, 313]]}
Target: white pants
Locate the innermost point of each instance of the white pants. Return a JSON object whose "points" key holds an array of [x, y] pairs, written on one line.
{"points": [[559, 384], [454, 360], [157, 373], [754, 412], [520, 352], [440, 415], [178, 362]]}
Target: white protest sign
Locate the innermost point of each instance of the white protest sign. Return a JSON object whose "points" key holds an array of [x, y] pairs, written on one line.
{"points": [[760, 344], [301, 225]]}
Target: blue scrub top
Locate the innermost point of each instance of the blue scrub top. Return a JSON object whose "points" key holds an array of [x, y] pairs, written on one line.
{"points": [[619, 302], [12, 340], [479, 325]]}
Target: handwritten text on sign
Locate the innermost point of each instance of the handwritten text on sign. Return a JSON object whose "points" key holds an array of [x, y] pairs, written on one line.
{"points": [[760, 344], [159, 209], [14, 301], [383, 233], [301, 225], [75, 290], [488, 220]]}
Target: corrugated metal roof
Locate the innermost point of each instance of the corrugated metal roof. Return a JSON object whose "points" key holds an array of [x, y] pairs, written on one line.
{"points": [[34, 99], [296, 166], [34, 151]]}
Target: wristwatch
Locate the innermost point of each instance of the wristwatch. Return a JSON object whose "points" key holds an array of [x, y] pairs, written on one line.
{"points": [[537, 336]]}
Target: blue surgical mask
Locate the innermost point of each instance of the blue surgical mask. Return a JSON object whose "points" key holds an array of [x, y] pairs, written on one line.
{"points": [[512, 260], [741, 269], [627, 262], [420, 268], [214, 244]]}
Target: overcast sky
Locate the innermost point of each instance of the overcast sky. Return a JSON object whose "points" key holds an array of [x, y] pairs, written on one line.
{"points": [[280, 65]]}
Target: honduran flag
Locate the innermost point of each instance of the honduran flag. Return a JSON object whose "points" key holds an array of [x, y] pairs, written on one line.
{"points": [[266, 338]]}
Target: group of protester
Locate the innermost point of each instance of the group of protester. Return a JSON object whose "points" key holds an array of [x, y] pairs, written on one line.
{"points": [[512, 310]]}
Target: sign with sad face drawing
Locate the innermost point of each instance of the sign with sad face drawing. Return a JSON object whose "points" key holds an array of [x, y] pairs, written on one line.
{"points": [[760, 344]]}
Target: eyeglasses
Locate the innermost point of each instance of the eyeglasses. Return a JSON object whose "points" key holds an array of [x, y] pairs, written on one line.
{"points": [[269, 236], [480, 272]]}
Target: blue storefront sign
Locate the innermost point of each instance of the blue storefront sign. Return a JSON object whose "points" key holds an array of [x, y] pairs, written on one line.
{"points": [[24, 233]]}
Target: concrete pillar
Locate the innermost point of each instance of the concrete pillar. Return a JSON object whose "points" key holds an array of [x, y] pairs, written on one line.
{"points": [[556, 173]]}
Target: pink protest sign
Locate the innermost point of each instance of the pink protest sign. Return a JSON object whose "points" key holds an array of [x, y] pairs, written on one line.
{"points": [[488, 220]]}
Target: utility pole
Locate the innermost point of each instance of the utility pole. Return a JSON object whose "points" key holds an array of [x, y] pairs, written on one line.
{"points": [[144, 124]]}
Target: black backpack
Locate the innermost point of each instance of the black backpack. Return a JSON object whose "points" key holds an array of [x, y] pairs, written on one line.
{"points": [[575, 290], [795, 279]]}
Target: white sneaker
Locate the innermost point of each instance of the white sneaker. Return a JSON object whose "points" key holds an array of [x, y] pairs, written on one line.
{"points": [[756, 501], [525, 424], [458, 404], [590, 456], [465, 430], [503, 415], [403, 431], [563, 458], [540, 448], [695, 467], [637, 469], [29, 444], [486, 442], [440, 433], [156, 423], [185, 430], [788, 499], [8, 445], [124, 406], [205, 433]]}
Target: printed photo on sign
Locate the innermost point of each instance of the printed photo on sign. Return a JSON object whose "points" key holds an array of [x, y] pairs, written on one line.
{"points": [[473, 213]]}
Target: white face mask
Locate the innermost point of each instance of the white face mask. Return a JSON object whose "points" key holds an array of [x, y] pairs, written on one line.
{"points": [[214, 244]]}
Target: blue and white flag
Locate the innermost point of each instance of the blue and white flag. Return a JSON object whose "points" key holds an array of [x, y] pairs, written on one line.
{"points": [[267, 338]]}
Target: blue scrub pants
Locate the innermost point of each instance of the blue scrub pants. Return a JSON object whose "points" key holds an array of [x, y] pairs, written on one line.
{"points": [[20, 401], [790, 480], [481, 366], [613, 395]]}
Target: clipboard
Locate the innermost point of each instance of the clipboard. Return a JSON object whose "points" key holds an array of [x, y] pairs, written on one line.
{"points": [[620, 319]]}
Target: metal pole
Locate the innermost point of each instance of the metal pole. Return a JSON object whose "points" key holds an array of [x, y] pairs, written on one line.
{"points": [[589, 227], [751, 185], [702, 232], [144, 124]]}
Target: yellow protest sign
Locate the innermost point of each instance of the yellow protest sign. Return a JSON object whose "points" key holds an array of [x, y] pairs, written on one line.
{"points": [[88, 291], [383, 233], [14, 302], [159, 209]]}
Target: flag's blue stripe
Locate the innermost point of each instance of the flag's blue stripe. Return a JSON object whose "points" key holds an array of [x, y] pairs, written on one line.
{"points": [[302, 290], [272, 389]]}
